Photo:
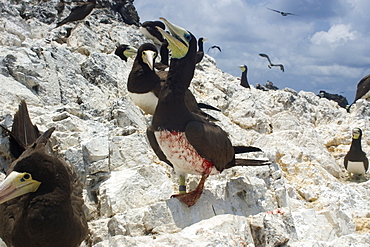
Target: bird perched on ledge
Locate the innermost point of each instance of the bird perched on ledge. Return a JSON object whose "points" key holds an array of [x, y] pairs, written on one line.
{"points": [[41, 197], [78, 13], [184, 140], [355, 161]]}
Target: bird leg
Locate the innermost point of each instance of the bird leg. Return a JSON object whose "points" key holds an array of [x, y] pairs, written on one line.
{"points": [[192, 197], [182, 186]]}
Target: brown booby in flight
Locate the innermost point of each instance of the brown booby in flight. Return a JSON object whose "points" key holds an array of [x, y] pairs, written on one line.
{"points": [[78, 13], [150, 31], [243, 79], [214, 47], [271, 64], [280, 12], [355, 160], [186, 141], [41, 197], [144, 83], [125, 51], [200, 52]]}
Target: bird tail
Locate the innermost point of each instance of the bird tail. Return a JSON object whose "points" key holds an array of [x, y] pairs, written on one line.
{"points": [[245, 149], [23, 133], [248, 162], [205, 106]]}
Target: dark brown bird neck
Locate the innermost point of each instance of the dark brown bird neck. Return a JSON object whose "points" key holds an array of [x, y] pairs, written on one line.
{"points": [[244, 80], [356, 145]]}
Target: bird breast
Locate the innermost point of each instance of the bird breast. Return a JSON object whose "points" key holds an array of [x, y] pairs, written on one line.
{"points": [[356, 167], [182, 154]]}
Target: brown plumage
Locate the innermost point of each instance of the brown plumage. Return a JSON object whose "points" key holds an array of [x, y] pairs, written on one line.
{"points": [[78, 13], [41, 198], [189, 142]]}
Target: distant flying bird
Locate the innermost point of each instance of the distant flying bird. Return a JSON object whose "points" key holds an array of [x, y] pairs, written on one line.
{"points": [[271, 64], [78, 13], [214, 46], [282, 13]]}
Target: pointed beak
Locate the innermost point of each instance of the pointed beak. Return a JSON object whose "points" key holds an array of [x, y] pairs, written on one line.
{"points": [[178, 40], [130, 51], [17, 184], [148, 58]]}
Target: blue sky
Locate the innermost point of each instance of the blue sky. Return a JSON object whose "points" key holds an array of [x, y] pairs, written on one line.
{"points": [[325, 46]]}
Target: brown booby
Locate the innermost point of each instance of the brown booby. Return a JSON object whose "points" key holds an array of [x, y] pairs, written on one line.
{"points": [[243, 79], [164, 53], [189, 142], [271, 64], [78, 13], [281, 12], [200, 52], [355, 160], [125, 51], [214, 47], [144, 83], [41, 197], [150, 31]]}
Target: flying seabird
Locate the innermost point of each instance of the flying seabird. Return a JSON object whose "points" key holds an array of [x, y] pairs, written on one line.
{"points": [[184, 140], [282, 13], [355, 160], [144, 83], [150, 31], [213, 47], [78, 13], [243, 79], [41, 197], [125, 51], [271, 64], [200, 52]]}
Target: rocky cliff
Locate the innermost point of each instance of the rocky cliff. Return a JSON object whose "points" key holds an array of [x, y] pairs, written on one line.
{"points": [[71, 80]]}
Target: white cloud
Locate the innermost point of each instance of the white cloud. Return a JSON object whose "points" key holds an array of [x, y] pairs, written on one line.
{"points": [[336, 35]]}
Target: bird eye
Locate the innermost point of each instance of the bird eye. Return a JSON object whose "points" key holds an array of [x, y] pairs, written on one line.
{"points": [[25, 177], [187, 37]]}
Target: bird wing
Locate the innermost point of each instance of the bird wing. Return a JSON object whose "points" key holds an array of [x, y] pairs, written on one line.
{"points": [[211, 142], [155, 146], [264, 55], [275, 10]]}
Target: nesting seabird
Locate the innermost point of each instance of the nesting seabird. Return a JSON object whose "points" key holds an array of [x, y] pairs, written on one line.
{"points": [[125, 51], [149, 29], [41, 197], [78, 13]]}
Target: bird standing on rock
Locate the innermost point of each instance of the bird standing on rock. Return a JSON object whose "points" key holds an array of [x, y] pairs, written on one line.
{"points": [[78, 13], [186, 141], [41, 201], [243, 79], [355, 160]]}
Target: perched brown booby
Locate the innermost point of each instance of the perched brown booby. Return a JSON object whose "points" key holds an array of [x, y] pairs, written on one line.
{"points": [[200, 52], [150, 31], [41, 197], [281, 12], [355, 160], [144, 83], [78, 13], [189, 142], [243, 79], [271, 64], [125, 51]]}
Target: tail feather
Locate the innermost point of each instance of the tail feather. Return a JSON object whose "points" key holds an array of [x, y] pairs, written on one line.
{"points": [[248, 162], [23, 133], [205, 106], [245, 149]]}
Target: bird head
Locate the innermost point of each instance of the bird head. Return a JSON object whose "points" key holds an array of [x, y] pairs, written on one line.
{"points": [[17, 184], [178, 40], [356, 133], [243, 67]]}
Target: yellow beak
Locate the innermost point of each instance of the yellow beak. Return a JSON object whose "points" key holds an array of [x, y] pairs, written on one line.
{"points": [[17, 184]]}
